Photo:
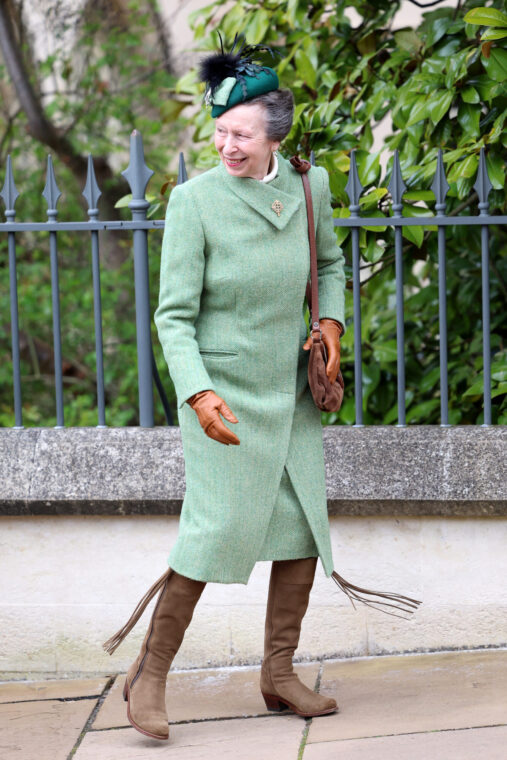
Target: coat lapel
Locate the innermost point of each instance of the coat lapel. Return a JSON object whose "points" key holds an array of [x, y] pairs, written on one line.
{"points": [[265, 197]]}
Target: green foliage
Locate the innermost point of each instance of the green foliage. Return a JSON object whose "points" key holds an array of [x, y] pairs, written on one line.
{"points": [[109, 82], [443, 88], [78, 337], [490, 17]]}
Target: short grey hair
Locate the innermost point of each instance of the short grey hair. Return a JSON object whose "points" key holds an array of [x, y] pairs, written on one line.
{"points": [[279, 112]]}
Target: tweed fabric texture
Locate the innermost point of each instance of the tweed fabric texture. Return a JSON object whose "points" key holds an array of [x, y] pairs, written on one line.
{"points": [[288, 521], [230, 318]]}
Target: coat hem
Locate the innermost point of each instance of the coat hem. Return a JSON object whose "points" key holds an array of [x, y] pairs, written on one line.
{"points": [[199, 576]]}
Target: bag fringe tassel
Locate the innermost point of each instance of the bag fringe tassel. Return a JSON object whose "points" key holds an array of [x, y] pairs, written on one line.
{"points": [[111, 644], [353, 593]]}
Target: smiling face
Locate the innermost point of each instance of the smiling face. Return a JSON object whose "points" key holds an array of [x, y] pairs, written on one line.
{"points": [[241, 142]]}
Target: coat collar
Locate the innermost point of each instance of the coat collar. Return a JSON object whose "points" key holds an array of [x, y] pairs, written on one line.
{"points": [[274, 171], [261, 196]]}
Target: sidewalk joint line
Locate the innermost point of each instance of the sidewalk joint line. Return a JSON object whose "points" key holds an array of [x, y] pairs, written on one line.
{"points": [[50, 699], [410, 733], [308, 721], [304, 737], [92, 716], [283, 714]]}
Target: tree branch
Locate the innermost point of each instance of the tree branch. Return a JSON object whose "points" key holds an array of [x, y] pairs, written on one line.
{"points": [[8, 131], [425, 5], [386, 264], [163, 36], [384, 260], [45, 132], [38, 124]]}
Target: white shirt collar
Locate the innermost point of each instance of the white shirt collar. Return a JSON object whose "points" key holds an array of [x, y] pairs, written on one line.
{"points": [[272, 174]]}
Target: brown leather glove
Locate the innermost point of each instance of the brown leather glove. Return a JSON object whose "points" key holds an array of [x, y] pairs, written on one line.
{"points": [[208, 407], [331, 330]]}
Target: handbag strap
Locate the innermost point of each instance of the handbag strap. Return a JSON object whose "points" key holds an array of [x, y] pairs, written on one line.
{"points": [[312, 290]]}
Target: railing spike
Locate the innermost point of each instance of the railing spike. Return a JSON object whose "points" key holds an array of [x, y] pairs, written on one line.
{"points": [[483, 184], [9, 192], [440, 186], [91, 190], [396, 185], [51, 190], [353, 188], [137, 173], [182, 170]]}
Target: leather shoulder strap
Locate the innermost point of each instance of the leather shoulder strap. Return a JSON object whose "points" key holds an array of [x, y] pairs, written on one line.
{"points": [[302, 167]]}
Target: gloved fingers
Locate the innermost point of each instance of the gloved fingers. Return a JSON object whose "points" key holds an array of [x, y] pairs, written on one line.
{"points": [[216, 429], [331, 332], [226, 412], [332, 348], [208, 407], [332, 369], [333, 359]]}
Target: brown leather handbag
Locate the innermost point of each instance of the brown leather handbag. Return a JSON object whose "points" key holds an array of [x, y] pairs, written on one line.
{"points": [[327, 396]]}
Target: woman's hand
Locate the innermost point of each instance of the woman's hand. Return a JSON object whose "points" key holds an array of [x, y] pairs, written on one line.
{"points": [[208, 407], [331, 331]]}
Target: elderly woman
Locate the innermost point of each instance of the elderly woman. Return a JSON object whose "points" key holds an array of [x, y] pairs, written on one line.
{"points": [[235, 264]]}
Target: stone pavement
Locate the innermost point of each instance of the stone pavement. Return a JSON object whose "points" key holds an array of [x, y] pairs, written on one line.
{"points": [[443, 706]]}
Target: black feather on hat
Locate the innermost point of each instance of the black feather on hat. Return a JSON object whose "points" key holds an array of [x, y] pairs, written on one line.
{"points": [[216, 67]]}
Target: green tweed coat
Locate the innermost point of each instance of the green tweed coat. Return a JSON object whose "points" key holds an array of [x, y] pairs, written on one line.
{"points": [[230, 318]]}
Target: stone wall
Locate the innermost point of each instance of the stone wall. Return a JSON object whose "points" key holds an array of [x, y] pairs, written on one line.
{"points": [[88, 518]]}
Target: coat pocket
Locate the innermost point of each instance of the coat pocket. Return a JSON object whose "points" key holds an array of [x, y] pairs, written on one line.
{"points": [[218, 353]]}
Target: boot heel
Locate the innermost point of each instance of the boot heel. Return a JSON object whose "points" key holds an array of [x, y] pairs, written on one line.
{"points": [[273, 703], [125, 691]]}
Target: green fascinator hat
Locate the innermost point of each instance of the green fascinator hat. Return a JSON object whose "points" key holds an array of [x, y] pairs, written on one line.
{"points": [[232, 78]]}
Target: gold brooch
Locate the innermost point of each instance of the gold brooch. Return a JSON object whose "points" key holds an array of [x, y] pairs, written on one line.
{"points": [[277, 207]]}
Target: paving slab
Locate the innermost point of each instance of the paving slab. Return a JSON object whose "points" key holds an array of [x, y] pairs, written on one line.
{"points": [[22, 691], [403, 695], [44, 730], [203, 695], [242, 739], [463, 744]]}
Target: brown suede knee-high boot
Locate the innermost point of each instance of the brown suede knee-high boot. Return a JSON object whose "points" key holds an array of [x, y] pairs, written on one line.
{"points": [[289, 593], [145, 684]]}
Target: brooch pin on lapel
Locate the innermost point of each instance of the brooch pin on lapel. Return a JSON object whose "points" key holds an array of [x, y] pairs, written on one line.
{"points": [[277, 207]]}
